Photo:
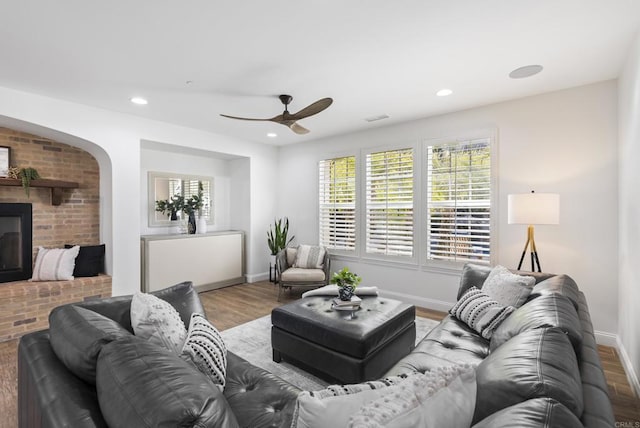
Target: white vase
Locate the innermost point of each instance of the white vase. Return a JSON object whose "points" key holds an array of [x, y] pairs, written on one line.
{"points": [[202, 225]]}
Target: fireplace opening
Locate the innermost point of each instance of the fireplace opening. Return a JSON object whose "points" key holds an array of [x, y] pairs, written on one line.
{"points": [[15, 242]]}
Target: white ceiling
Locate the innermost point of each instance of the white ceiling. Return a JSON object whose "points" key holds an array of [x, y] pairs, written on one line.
{"points": [[371, 56]]}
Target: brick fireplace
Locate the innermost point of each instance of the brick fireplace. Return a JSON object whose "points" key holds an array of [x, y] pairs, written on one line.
{"points": [[25, 306]]}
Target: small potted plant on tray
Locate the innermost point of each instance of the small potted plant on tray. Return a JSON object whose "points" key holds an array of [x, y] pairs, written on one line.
{"points": [[347, 282]]}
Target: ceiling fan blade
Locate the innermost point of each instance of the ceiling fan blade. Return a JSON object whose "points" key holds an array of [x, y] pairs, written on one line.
{"points": [[312, 109], [301, 130], [244, 118]]}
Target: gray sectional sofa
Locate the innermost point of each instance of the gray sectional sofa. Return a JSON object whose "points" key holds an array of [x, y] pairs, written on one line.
{"points": [[542, 369]]}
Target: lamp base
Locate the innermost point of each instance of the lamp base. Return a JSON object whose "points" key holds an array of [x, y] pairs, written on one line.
{"points": [[534, 253]]}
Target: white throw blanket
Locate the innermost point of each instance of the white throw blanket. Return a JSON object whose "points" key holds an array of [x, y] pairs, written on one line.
{"points": [[332, 290]]}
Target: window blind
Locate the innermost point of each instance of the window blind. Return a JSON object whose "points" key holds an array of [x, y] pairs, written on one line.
{"points": [[337, 197], [389, 203], [459, 201]]}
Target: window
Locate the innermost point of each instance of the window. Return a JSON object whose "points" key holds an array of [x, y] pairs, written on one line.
{"points": [[337, 194], [459, 201], [389, 203]]}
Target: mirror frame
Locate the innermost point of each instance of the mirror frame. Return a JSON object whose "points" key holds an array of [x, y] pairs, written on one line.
{"points": [[151, 195]]}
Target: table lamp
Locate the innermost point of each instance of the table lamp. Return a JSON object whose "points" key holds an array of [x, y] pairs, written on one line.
{"points": [[530, 209]]}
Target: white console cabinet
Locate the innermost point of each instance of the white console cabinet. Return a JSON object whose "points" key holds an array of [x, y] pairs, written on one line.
{"points": [[209, 260]]}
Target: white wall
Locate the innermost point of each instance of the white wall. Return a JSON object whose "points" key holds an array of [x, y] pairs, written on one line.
{"points": [[188, 164], [562, 142], [629, 213], [115, 140]]}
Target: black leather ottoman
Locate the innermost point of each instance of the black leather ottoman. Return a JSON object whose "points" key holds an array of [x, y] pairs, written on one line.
{"points": [[310, 334]]}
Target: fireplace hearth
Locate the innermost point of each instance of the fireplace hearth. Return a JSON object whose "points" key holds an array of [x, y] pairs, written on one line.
{"points": [[16, 238]]}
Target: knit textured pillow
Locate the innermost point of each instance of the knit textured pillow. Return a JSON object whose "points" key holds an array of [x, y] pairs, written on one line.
{"points": [[157, 321], [206, 349], [480, 312], [309, 257], [55, 264]]}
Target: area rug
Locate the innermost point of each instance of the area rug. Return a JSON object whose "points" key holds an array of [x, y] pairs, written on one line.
{"points": [[252, 341]]}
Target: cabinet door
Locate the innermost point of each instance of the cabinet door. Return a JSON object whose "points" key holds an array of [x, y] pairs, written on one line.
{"points": [[204, 260]]}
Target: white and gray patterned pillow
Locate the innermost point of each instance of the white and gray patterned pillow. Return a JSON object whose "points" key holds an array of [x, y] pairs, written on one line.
{"points": [[334, 405], [309, 257], [157, 321], [206, 349], [55, 264], [480, 312], [508, 288], [442, 397]]}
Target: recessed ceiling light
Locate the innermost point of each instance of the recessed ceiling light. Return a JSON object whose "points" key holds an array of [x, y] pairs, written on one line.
{"points": [[139, 101], [444, 92], [526, 71], [272, 135]]}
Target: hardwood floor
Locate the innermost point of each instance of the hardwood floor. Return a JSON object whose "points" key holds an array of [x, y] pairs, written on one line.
{"points": [[232, 306]]}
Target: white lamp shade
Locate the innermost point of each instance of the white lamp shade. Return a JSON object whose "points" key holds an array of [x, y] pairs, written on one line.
{"points": [[534, 208]]}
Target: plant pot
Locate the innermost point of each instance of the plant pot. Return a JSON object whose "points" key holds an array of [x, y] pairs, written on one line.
{"points": [[202, 224], [346, 292]]}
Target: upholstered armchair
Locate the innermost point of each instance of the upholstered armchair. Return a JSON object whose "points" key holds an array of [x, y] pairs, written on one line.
{"points": [[306, 273]]}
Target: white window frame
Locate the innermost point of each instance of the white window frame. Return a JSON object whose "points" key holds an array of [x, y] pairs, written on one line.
{"points": [[446, 265], [396, 259], [334, 251]]}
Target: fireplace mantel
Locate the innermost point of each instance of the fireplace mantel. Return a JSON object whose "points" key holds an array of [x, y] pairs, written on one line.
{"points": [[56, 186]]}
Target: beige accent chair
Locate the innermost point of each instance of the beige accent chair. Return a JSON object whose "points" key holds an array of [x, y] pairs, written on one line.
{"points": [[289, 276]]}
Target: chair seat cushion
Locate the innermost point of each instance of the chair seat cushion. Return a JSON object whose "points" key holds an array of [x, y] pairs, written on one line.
{"points": [[303, 275]]}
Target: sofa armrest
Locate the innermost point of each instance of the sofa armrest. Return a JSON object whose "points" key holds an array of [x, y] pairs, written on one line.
{"points": [[326, 267], [49, 395], [281, 262]]}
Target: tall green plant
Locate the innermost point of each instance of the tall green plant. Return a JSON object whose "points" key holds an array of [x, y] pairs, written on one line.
{"points": [[277, 236]]}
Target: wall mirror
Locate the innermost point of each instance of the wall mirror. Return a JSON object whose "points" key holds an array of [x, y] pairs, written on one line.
{"points": [[163, 185]]}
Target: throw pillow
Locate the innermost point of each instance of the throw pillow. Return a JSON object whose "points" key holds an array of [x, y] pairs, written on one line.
{"points": [[55, 264], [90, 260], [205, 348], [333, 406], [443, 397], [309, 257], [480, 312], [157, 321], [507, 288]]}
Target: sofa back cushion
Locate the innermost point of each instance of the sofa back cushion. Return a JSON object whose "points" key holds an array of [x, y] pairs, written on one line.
{"points": [[539, 412], [474, 275], [533, 364], [182, 296], [77, 337], [551, 310], [559, 284], [140, 384]]}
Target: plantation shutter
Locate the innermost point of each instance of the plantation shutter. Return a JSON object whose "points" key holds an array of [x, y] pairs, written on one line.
{"points": [[389, 203], [190, 188], [337, 197], [459, 201]]}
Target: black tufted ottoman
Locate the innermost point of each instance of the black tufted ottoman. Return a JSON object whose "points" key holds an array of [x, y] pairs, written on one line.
{"points": [[331, 344]]}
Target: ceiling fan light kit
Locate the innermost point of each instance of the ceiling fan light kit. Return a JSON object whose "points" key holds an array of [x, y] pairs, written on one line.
{"points": [[290, 120]]}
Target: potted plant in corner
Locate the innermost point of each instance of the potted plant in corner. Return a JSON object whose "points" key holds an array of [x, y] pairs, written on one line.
{"points": [[347, 282], [277, 236]]}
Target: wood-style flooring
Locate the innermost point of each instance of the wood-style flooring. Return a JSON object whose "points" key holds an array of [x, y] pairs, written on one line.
{"points": [[232, 306]]}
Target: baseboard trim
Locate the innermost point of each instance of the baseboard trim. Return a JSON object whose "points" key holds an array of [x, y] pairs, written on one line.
{"points": [[264, 276], [605, 338], [423, 302], [632, 377]]}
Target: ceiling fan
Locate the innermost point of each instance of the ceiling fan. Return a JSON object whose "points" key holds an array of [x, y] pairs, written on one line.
{"points": [[290, 120]]}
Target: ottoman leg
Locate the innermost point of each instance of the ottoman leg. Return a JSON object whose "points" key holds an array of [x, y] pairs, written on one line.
{"points": [[276, 356]]}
